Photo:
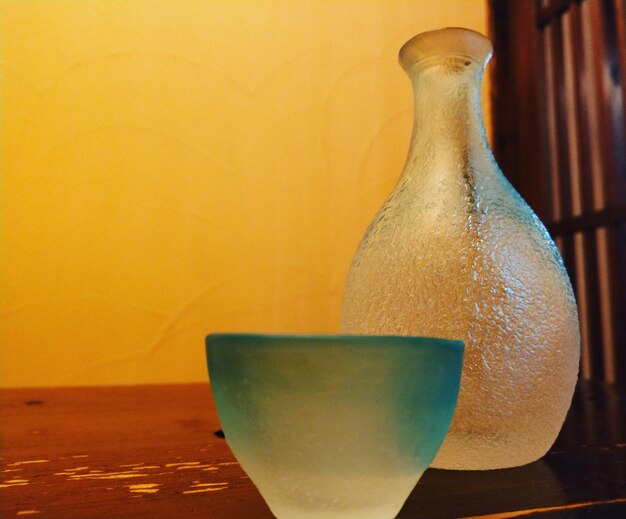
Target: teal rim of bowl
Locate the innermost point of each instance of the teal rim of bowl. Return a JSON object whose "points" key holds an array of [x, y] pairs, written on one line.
{"points": [[328, 338]]}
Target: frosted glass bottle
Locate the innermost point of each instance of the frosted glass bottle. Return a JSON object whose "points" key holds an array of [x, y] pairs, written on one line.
{"points": [[455, 252]]}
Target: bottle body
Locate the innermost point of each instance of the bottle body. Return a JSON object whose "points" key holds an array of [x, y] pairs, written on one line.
{"points": [[456, 253]]}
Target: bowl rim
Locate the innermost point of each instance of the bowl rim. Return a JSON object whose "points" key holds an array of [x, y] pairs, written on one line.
{"points": [[320, 339]]}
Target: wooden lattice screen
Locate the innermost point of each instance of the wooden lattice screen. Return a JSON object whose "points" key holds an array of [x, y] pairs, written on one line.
{"points": [[559, 77]]}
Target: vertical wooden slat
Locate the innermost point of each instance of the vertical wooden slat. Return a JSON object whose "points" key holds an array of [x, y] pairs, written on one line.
{"points": [[590, 111], [620, 351], [611, 155], [560, 104], [620, 306], [602, 14], [591, 179], [588, 91], [620, 22], [561, 159], [571, 116], [551, 126], [552, 132]]}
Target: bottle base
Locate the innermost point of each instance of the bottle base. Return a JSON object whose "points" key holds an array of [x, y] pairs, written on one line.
{"points": [[463, 452]]}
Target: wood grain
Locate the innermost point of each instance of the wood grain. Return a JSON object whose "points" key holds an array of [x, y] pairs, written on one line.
{"points": [[152, 452]]}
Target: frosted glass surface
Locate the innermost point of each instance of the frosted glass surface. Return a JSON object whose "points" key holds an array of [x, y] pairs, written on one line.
{"points": [[334, 427], [456, 253]]}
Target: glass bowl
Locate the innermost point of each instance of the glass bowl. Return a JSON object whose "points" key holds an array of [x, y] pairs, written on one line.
{"points": [[331, 426]]}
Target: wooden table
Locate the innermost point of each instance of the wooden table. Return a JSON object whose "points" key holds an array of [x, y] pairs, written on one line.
{"points": [[153, 452]]}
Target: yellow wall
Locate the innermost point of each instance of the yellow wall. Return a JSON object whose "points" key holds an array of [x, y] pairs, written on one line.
{"points": [[173, 168]]}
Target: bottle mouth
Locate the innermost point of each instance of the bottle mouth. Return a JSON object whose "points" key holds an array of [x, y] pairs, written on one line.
{"points": [[451, 41]]}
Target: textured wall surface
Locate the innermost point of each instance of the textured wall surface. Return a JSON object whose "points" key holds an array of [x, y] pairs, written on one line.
{"points": [[171, 169]]}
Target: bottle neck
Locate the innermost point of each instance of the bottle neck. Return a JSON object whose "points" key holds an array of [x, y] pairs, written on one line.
{"points": [[448, 132]]}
